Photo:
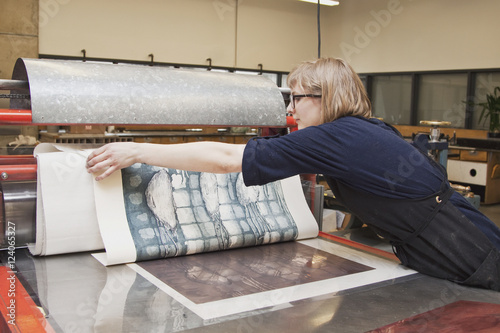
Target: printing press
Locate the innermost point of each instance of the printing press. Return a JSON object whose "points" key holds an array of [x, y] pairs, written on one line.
{"points": [[56, 93], [73, 292]]}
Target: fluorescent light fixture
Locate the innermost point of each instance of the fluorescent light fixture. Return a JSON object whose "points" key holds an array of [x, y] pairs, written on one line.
{"points": [[323, 2]]}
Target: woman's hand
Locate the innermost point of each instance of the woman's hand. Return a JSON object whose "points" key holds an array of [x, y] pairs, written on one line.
{"points": [[112, 157]]}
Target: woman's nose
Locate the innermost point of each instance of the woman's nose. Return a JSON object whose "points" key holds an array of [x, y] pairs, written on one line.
{"points": [[289, 108]]}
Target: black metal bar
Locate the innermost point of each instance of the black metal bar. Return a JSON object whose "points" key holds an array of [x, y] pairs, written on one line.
{"points": [[469, 102], [14, 84], [139, 62], [16, 96], [415, 81], [369, 86], [319, 28]]}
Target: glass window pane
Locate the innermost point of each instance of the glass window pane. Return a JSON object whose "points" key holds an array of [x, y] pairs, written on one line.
{"points": [[219, 70], [364, 80], [485, 84], [441, 97], [247, 72], [284, 77], [271, 76], [391, 98]]}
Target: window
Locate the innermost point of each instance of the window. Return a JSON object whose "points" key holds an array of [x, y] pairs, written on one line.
{"points": [[284, 77], [441, 97], [271, 76], [391, 98], [485, 84]]}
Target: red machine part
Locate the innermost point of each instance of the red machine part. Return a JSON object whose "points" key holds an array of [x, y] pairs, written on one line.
{"points": [[24, 117], [13, 116], [17, 172], [18, 311], [16, 168], [17, 159], [290, 122]]}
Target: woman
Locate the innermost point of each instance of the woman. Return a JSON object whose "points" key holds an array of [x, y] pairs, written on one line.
{"points": [[382, 179]]}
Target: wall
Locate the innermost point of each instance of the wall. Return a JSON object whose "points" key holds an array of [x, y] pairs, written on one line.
{"points": [[173, 30], [275, 33], [18, 38], [374, 35], [18, 33], [415, 35]]}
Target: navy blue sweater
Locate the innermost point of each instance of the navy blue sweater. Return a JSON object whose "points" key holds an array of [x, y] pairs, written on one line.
{"points": [[363, 153]]}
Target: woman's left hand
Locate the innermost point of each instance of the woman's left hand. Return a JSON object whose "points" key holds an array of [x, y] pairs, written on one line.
{"points": [[111, 157]]}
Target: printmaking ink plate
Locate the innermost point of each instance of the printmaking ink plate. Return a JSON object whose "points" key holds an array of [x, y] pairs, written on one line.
{"points": [[230, 282]]}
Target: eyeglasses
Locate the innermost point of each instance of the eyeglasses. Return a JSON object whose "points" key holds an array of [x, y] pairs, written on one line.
{"points": [[294, 97]]}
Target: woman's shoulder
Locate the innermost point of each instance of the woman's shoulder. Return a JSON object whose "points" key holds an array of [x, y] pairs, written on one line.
{"points": [[356, 121], [359, 126]]}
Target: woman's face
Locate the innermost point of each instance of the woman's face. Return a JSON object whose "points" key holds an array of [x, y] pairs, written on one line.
{"points": [[307, 110]]}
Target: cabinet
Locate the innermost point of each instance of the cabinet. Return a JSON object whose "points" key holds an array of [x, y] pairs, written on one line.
{"points": [[479, 169]]}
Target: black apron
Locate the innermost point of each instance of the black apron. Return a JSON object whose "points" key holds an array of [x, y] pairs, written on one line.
{"points": [[429, 235]]}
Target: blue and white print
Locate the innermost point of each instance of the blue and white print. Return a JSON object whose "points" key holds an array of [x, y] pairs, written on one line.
{"points": [[175, 212]]}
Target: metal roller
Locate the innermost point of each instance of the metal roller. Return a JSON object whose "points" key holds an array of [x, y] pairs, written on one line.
{"points": [[18, 211], [13, 84], [75, 92]]}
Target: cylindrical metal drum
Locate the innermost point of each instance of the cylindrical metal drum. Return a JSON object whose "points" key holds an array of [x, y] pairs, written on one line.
{"points": [[75, 92], [18, 213]]}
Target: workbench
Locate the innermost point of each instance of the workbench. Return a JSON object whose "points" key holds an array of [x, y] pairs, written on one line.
{"points": [[478, 168], [78, 294]]}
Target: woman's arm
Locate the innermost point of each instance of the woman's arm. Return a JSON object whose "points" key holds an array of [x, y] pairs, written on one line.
{"points": [[204, 156]]}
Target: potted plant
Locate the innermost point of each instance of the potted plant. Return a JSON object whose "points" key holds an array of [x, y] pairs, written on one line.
{"points": [[491, 110]]}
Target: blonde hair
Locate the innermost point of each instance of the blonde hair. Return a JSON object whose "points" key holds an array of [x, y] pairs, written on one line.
{"points": [[342, 91]]}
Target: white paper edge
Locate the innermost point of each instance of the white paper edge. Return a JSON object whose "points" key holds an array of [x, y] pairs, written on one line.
{"points": [[42, 244], [47, 147], [113, 222], [297, 205], [37, 247]]}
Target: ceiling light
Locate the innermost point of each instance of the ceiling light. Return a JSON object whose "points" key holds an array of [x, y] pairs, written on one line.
{"points": [[323, 2]]}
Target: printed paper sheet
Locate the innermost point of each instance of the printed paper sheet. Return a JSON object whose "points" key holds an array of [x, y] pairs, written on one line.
{"points": [[145, 212]]}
